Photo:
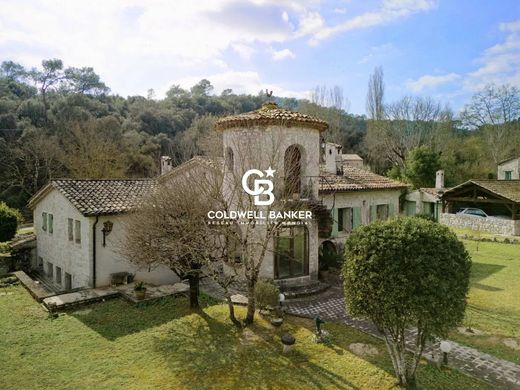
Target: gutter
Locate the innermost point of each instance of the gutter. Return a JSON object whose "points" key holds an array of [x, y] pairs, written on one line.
{"points": [[94, 252]]}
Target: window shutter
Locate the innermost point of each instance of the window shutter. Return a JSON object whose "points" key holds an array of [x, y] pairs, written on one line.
{"points": [[356, 217], [373, 213], [391, 211]]}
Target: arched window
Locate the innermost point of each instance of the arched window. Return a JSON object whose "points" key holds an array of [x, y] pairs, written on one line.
{"points": [[230, 159], [291, 252], [293, 170]]}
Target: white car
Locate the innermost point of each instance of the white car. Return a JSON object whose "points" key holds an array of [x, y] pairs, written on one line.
{"points": [[473, 212]]}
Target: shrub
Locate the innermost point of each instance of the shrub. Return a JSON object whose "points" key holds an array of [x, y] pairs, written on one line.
{"points": [[9, 219], [426, 216], [266, 294], [403, 273]]}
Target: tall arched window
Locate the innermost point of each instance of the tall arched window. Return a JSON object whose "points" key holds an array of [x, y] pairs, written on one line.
{"points": [[230, 159], [293, 170]]}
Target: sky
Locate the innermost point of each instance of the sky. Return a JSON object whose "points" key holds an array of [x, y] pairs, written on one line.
{"points": [[446, 49]]}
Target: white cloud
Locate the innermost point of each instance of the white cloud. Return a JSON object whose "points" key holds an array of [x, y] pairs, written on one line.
{"points": [[499, 63], [240, 82], [390, 11], [244, 51], [431, 81], [279, 55]]}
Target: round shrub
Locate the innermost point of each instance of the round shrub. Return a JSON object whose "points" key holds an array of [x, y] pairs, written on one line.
{"points": [[9, 219], [402, 273], [266, 294]]}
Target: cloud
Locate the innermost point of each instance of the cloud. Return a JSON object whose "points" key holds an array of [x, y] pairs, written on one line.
{"points": [[279, 55], [391, 10], [499, 63], [431, 81], [248, 82], [244, 51]]}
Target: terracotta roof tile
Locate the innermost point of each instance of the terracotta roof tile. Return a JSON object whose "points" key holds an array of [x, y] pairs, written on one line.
{"points": [[104, 196], [508, 189], [355, 179], [271, 115]]}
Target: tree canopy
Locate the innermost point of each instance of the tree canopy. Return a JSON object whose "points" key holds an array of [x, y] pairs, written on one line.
{"points": [[402, 273]]}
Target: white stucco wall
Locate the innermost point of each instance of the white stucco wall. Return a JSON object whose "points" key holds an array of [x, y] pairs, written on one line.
{"points": [[109, 258], [363, 200], [56, 248], [511, 165]]}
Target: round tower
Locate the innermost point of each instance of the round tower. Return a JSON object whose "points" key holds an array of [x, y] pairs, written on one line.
{"points": [[272, 161], [273, 137]]}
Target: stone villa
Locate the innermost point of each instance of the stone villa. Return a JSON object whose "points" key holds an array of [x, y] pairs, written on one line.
{"points": [[79, 223]]}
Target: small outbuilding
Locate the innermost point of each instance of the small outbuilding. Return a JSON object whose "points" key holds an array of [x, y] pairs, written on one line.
{"points": [[499, 199]]}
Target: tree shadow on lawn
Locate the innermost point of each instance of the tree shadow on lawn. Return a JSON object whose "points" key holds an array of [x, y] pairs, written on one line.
{"points": [[480, 271], [209, 352], [117, 317]]}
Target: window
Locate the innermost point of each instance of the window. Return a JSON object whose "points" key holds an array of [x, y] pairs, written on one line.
{"points": [[230, 161], [58, 275], [78, 232], [68, 281], [293, 170], [508, 175], [382, 211], [40, 263], [292, 252], [70, 229], [50, 270], [44, 222], [345, 219], [50, 218]]}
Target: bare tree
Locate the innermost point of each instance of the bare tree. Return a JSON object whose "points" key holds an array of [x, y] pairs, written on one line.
{"points": [[376, 94], [408, 123], [495, 111]]}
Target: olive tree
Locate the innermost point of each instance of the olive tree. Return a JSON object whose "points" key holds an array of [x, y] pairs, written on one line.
{"points": [[406, 273]]}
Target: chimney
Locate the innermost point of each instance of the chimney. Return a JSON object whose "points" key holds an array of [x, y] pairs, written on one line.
{"points": [[333, 158], [439, 180], [166, 164]]}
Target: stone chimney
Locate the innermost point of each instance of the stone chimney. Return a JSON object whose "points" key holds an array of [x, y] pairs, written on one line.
{"points": [[166, 164], [333, 159], [439, 180]]}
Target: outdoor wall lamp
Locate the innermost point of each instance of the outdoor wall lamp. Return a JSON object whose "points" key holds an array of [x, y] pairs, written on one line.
{"points": [[445, 349], [107, 228]]}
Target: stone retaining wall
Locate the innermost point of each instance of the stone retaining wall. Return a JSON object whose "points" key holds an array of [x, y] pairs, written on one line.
{"points": [[488, 225]]}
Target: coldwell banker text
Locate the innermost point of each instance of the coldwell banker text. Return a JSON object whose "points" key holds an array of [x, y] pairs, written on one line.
{"points": [[260, 215]]}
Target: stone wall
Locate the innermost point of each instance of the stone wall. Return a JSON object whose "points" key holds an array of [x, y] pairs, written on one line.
{"points": [[487, 225]]}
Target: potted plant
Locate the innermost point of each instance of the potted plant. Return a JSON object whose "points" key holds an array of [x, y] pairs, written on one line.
{"points": [[140, 290]]}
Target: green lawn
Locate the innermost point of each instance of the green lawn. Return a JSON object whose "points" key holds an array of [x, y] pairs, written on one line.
{"points": [[114, 344], [494, 298]]}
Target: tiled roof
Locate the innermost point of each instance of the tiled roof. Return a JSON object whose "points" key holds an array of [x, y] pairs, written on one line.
{"points": [[351, 157], [101, 196], [271, 115], [355, 179], [437, 192], [508, 189]]}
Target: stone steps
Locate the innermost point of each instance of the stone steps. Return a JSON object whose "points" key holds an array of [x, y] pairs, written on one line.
{"points": [[304, 290]]}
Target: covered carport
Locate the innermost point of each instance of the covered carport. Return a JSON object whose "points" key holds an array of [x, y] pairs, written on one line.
{"points": [[500, 199]]}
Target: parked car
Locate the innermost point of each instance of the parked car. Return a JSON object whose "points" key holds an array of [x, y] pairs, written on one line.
{"points": [[474, 212]]}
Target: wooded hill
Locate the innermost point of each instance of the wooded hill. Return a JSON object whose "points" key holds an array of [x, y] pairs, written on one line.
{"points": [[58, 121]]}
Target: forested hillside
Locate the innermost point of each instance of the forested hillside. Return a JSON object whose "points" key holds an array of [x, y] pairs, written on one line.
{"points": [[59, 121]]}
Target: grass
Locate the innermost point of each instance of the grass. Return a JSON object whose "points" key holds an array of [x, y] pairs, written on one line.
{"points": [[494, 298], [114, 344]]}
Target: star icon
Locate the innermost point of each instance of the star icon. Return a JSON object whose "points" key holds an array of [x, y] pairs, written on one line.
{"points": [[269, 172]]}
